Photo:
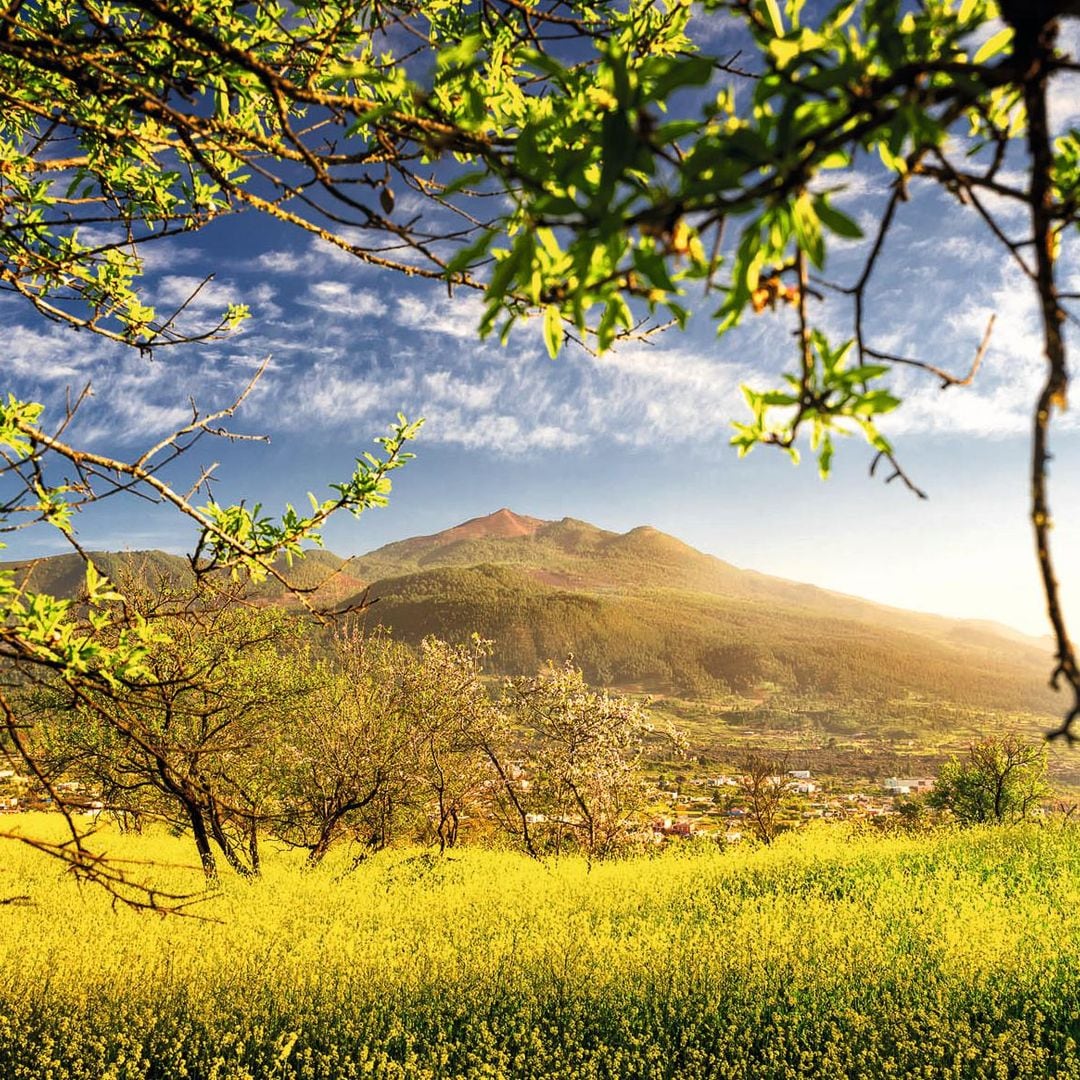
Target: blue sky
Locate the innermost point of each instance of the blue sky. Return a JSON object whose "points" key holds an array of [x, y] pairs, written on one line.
{"points": [[639, 436]]}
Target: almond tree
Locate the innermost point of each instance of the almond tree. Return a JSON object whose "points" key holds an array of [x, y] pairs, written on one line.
{"points": [[583, 785]]}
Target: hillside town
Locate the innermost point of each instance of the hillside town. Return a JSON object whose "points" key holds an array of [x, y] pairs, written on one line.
{"points": [[718, 806]]}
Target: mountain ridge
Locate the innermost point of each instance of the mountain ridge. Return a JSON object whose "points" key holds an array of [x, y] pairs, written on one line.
{"points": [[755, 580], [644, 610]]}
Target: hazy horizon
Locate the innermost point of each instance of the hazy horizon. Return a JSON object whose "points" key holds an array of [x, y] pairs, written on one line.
{"points": [[524, 513]]}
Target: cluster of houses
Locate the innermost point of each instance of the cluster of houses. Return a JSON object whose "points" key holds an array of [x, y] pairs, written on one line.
{"points": [[20, 793], [715, 806], [908, 786], [716, 812]]}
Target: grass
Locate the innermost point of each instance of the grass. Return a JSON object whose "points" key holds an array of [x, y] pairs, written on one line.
{"points": [[828, 955]]}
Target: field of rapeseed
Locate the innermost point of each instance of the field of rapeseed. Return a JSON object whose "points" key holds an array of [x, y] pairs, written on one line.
{"points": [[827, 955]]}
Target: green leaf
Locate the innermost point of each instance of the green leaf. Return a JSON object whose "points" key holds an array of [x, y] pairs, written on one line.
{"points": [[461, 54], [654, 268], [808, 230], [772, 8], [867, 372], [994, 44], [676, 129], [548, 242], [837, 221], [876, 402], [825, 457], [783, 52], [677, 73], [545, 63], [471, 254], [680, 314], [553, 330]]}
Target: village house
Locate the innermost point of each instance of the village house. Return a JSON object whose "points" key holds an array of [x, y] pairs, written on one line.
{"points": [[912, 785], [682, 827]]}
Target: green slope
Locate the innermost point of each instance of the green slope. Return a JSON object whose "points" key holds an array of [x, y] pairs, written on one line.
{"points": [[643, 610], [65, 575], [695, 644]]}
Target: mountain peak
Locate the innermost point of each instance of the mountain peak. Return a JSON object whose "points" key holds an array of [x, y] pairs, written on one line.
{"points": [[501, 525], [504, 524], [652, 537]]}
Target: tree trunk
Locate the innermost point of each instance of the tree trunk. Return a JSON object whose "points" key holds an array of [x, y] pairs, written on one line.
{"points": [[228, 849], [321, 846], [202, 840], [253, 848]]}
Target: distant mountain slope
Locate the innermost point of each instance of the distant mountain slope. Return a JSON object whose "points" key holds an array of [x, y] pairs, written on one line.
{"points": [[576, 554], [327, 574], [642, 609], [65, 575], [697, 645]]}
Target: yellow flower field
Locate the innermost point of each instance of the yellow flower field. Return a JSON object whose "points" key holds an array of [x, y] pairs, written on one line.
{"points": [[827, 955]]}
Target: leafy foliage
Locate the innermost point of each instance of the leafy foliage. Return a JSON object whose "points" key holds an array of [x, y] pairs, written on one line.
{"points": [[601, 126], [1000, 780]]}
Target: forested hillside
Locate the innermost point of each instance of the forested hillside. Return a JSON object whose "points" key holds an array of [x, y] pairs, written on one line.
{"points": [[643, 610]]}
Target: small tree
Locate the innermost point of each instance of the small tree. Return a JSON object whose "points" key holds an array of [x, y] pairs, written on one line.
{"points": [[343, 758], [1001, 779], [180, 745], [453, 716], [585, 785], [764, 783], [387, 745]]}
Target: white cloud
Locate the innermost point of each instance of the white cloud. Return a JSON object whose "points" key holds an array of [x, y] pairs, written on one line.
{"points": [[313, 257], [339, 298], [499, 433], [866, 180], [200, 303], [280, 262], [48, 356], [199, 294], [1063, 98], [349, 356], [456, 317], [446, 388]]}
